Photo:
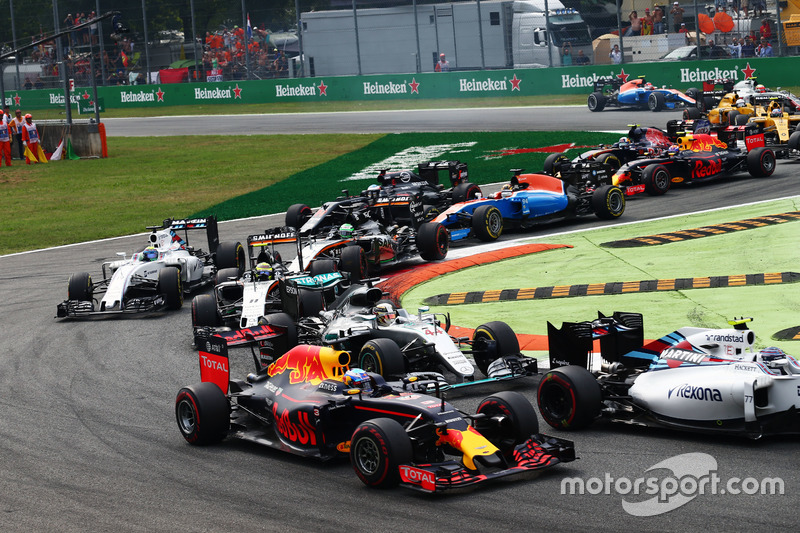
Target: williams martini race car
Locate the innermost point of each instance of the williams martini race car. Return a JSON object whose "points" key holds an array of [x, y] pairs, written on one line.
{"points": [[532, 199], [309, 403], [694, 379], [156, 277], [637, 94], [697, 158]]}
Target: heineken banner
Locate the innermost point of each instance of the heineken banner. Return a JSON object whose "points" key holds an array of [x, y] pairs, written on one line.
{"points": [[772, 72]]}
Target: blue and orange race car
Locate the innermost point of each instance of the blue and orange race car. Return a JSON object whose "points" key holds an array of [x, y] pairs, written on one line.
{"points": [[532, 199], [310, 403], [638, 94]]}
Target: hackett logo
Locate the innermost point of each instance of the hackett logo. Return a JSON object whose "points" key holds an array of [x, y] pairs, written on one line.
{"points": [[130, 96], [474, 85], [295, 90], [206, 94], [385, 88]]}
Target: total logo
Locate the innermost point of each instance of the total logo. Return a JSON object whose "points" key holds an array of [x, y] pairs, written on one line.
{"points": [[417, 476]]}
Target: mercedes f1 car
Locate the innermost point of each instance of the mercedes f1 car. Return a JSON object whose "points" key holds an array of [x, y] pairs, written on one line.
{"points": [[532, 199], [694, 379], [636, 93], [156, 277], [307, 402]]}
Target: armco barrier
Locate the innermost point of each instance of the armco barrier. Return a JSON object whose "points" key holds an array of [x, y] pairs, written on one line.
{"points": [[772, 72]]}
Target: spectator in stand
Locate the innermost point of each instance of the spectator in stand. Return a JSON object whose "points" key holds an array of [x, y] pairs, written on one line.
{"points": [[658, 20], [28, 85], [581, 59], [443, 65], [765, 50], [636, 24], [735, 48], [39, 84], [719, 5], [615, 55], [647, 22], [765, 30], [683, 29], [16, 129], [743, 9], [758, 8], [677, 16], [748, 48], [566, 55]]}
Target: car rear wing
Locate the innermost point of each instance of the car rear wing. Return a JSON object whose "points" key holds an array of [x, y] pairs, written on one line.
{"points": [[261, 247], [431, 171], [619, 334], [601, 83], [402, 209], [318, 291], [184, 225]]}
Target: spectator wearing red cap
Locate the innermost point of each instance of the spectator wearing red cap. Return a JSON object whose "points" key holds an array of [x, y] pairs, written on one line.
{"points": [[442, 65], [647, 22]]}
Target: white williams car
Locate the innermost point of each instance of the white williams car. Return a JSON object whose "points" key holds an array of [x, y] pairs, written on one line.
{"points": [[694, 379], [156, 277]]}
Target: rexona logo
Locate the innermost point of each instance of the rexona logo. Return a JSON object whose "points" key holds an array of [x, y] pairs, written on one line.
{"points": [[693, 75], [690, 392], [417, 476]]}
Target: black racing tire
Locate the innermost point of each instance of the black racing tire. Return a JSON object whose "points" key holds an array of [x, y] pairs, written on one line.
{"points": [[794, 141], [742, 119], [505, 343], [170, 287], [377, 449], [323, 266], [732, 114], [553, 162], [569, 397], [353, 261], [596, 101], [283, 320], [80, 287], [203, 413], [512, 420], [297, 215], [608, 202], [429, 212], [230, 255], [433, 241], [657, 179], [697, 95], [708, 102], [656, 101], [232, 293], [610, 160], [382, 356], [487, 223], [761, 162], [692, 113], [465, 191], [310, 302], [797, 128], [204, 311]]}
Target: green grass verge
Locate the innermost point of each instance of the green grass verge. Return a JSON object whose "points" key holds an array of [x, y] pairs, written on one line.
{"points": [[766, 249]]}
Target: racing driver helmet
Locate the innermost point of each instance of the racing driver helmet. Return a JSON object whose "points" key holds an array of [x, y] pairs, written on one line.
{"points": [[507, 190], [760, 88], [773, 357], [149, 254], [740, 102], [264, 272], [673, 150], [385, 313], [355, 378], [346, 231], [776, 112], [624, 142]]}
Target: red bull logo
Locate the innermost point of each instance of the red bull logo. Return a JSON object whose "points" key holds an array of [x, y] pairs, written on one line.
{"points": [[301, 432], [704, 168], [701, 143], [311, 364], [469, 442]]}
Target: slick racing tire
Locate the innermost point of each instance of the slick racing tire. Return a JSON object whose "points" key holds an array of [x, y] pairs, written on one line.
{"points": [[204, 312], [429, 212], [465, 191], [657, 179], [692, 113], [322, 266], [169, 284], [487, 223], [608, 202], [761, 162], [203, 413], [433, 241], [354, 261], [485, 352], [231, 255], [610, 160], [596, 101], [742, 119], [510, 420], [297, 215], [794, 140], [732, 114], [656, 101], [233, 293], [569, 397], [553, 163], [697, 95], [80, 287], [382, 356], [377, 449]]}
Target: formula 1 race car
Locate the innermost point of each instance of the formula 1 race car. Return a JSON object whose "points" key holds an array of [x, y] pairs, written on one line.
{"points": [[309, 403], [696, 158], [694, 379], [532, 199], [636, 93], [156, 277]]}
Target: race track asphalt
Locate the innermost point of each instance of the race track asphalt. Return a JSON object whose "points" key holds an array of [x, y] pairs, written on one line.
{"points": [[89, 440]]}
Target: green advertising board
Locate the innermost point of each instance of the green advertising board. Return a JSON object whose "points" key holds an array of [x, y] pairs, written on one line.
{"points": [[86, 107], [772, 72]]}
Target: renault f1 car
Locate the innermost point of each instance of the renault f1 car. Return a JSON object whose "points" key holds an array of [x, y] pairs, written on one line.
{"points": [[156, 277], [636, 93], [532, 199], [697, 158], [307, 402], [694, 379]]}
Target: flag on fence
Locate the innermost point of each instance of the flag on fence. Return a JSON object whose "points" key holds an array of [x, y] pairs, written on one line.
{"points": [[124, 59], [249, 28], [57, 154]]}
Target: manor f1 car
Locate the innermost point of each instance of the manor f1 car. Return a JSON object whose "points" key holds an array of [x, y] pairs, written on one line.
{"points": [[636, 93], [532, 199], [156, 277], [694, 379], [310, 404]]}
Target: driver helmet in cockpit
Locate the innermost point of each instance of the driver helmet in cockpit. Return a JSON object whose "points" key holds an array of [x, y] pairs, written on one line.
{"points": [[149, 254], [356, 378]]}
